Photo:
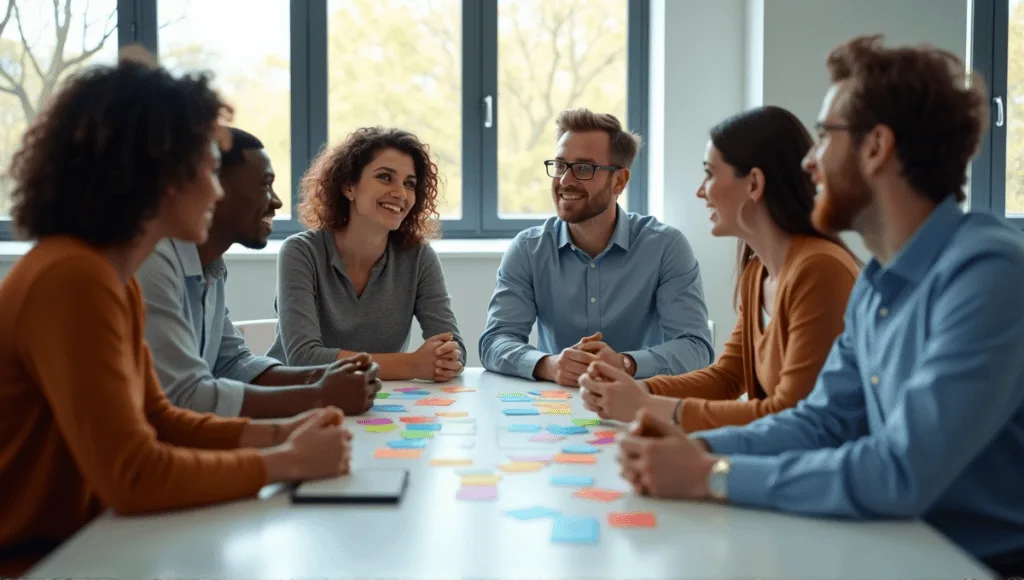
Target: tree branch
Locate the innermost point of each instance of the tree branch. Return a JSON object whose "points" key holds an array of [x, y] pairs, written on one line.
{"points": [[7, 16], [25, 43], [99, 45], [18, 89]]}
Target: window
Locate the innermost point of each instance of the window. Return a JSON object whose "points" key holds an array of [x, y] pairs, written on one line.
{"points": [[998, 54], [480, 81], [41, 43]]}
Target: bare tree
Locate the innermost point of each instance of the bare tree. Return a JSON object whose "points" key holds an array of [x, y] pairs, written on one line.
{"points": [[14, 75]]}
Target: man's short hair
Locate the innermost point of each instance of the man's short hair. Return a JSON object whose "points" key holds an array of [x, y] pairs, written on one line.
{"points": [[936, 111], [624, 144], [240, 142]]}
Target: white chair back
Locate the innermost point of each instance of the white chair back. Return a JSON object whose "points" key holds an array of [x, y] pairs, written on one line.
{"points": [[258, 334]]}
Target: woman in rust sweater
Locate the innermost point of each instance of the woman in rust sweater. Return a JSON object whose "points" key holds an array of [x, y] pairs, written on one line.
{"points": [[791, 293], [120, 158]]}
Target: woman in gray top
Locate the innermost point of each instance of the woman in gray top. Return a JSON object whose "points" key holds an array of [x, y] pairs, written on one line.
{"points": [[354, 280]]}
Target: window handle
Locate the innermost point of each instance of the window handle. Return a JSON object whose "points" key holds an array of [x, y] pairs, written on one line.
{"points": [[1000, 118], [488, 112]]}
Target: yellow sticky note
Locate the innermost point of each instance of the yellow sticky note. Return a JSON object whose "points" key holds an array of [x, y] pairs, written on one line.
{"points": [[480, 480], [440, 462], [556, 411], [452, 414], [522, 466], [552, 405]]}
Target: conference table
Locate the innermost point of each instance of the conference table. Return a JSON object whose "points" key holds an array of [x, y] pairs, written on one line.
{"points": [[433, 534]]}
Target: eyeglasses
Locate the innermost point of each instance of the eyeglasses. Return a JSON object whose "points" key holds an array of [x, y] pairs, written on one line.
{"points": [[582, 171], [823, 128]]}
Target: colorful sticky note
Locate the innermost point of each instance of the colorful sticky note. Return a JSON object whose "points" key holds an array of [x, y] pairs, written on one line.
{"points": [[532, 513], [542, 458], [458, 390], [573, 458], [521, 428], [436, 402], [581, 449], [375, 421], [522, 466], [452, 414], [417, 434], [417, 420], [575, 530], [398, 453], [389, 408], [405, 397], [458, 429], [475, 480], [534, 393], [572, 480], [515, 412], [632, 520], [515, 399], [556, 411], [423, 427], [552, 405], [567, 430], [477, 492], [549, 394], [596, 494], [451, 462], [409, 389], [383, 395], [549, 401], [381, 428], [604, 434], [415, 392], [546, 438], [586, 422], [407, 444], [512, 394], [602, 441]]}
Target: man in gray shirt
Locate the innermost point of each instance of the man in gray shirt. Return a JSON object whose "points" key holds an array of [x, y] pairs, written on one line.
{"points": [[200, 357]]}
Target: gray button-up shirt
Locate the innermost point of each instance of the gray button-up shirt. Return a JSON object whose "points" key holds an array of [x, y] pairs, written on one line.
{"points": [[200, 357]]}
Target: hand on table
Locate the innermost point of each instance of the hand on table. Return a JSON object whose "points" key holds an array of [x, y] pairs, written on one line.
{"points": [[611, 392], [659, 460], [438, 359], [318, 446], [594, 345], [565, 368], [351, 384]]}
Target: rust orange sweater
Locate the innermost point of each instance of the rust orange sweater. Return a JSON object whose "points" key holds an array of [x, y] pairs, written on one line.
{"points": [[84, 424], [778, 365]]}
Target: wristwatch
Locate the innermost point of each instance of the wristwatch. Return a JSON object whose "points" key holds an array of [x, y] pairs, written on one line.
{"points": [[717, 479], [627, 364]]}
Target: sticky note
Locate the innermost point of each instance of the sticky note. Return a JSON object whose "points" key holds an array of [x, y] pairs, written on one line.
{"points": [[512, 394], [547, 401], [532, 513], [423, 427], [381, 428], [572, 480], [521, 428], [452, 414], [382, 395], [404, 397], [604, 434], [567, 430], [474, 480], [458, 390], [436, 402], [389, 408], [450, 462], [515, 399], [586, 422], [547, 405], [417, 434], [477, 492], [575, 530], [549, 394], [602, 441], [545, 458], [596, 494], [632, 520], [534, 393], [573, 458], [416, 420], [398, 453], [522, 466], [415, 392], [409, 390], [546, 438], [557, 411], [407, 444], [581, 449], [520, 412], [375, 421]]}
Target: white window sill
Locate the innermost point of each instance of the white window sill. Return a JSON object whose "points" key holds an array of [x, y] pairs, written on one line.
{"points": [[462, 249]]}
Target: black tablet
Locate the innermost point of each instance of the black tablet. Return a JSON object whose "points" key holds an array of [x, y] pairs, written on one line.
{"points": [[359, 486]]}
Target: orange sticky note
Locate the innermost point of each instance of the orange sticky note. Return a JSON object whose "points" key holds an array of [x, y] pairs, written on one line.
{"points": [[632, 520], [458, 390], [575, 458], [439, 462], [556, 405], [398, 453], [452, 414], [417, 420], [522, 466], [555, 395], [604, 434], [435, 402], [598, 494]]}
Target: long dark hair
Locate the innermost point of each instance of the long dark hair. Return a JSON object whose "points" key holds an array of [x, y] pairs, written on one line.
{"points": [[775, 141]]}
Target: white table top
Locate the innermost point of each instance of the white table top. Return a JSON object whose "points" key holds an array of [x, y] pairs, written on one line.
{"points": [[433, 535]]}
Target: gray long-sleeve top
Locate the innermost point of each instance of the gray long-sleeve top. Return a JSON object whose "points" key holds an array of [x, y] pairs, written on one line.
{"points": [[320, 315]]}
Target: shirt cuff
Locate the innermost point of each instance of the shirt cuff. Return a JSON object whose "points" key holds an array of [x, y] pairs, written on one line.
{"points": [[746, 484], [251, 368], [528, 363], [721, 441], [646, 365], [230, 395]]}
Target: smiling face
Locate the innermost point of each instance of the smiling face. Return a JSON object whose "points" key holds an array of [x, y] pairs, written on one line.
{"points": [[246, 214], [386, 191], [187, 211], [723, 192], [579, 200]]}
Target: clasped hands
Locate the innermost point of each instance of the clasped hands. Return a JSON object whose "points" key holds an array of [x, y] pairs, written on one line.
{"points": [[439, 359], [566, 367]]}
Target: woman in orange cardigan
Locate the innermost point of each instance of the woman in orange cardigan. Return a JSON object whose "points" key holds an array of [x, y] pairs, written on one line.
{"points": [[791, 291]]}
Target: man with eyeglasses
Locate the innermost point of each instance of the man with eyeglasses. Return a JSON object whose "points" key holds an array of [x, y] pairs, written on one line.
{"points": [[600, 283]]}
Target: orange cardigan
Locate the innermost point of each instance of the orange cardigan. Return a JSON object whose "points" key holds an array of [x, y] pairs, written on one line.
{"points": [[84, 423], [776, 367]]}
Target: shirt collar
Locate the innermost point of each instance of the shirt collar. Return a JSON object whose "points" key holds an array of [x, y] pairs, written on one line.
{"points": [[188, 254], [919, 253], [620, 236]]}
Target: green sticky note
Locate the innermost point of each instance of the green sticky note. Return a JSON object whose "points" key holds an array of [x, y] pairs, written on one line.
{"points": [[586, 422], [417, 434], [383, 395], [381, 428]]}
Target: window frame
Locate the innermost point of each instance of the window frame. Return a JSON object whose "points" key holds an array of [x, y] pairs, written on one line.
{"points": [[137, 23]]}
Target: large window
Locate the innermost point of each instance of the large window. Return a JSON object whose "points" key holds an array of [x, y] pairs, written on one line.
{"points": [[480, 81]]}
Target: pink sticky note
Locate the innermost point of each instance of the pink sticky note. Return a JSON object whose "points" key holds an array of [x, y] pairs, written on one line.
{"points": [[602, 441], [407, 389], [478, 492], [533, 458], [546, 438], [375, 421]]}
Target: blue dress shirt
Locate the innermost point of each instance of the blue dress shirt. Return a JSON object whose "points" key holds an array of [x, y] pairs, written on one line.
{"points": [[643, 292], [919, 409]]}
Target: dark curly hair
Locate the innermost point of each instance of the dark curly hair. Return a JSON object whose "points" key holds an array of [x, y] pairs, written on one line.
{"points": [[97, 161], [324, 205], [924, 95]]}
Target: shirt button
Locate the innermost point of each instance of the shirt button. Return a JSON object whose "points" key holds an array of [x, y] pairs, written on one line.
{"points": [[883, 312], [593, 300], [593, 265], [874, 379]]}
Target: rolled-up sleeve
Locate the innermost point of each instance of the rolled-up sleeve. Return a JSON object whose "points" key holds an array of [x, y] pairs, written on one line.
{"points": [[235, 360]]}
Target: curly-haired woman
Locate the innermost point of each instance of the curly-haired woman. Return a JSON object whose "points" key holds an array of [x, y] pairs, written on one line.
{"points": [[355, 279]]}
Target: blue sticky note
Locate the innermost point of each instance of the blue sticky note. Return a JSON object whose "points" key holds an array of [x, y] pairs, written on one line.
{"points": [[572, 480], [534, 393], [389, 408], [407, 444], [404, 397], [424, 427], [567, 430], [417, 392], [532, 513], [575, 530], [514, 399], [521, 428], [580, 449], [520, 412]]}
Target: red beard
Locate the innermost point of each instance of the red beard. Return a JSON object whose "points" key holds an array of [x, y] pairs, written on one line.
{"points": [[844, 196]]}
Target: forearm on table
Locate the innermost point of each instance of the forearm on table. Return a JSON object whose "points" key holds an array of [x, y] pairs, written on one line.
{"points": [[269, 402], [663, 408], [282, 376], [394, 366], [261, 434]]}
